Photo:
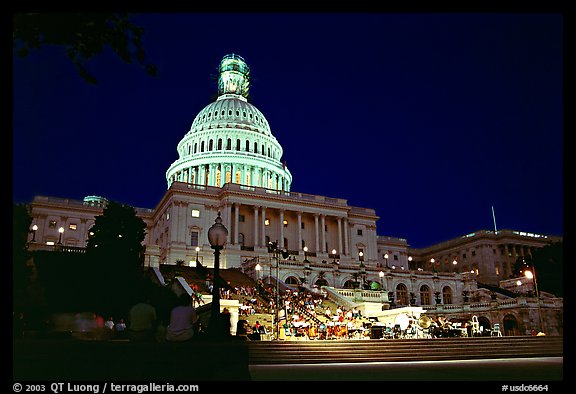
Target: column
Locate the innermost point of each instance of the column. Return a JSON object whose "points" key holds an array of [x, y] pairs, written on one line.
{"points": [[233, 173], [263, 238], [347, 250], [300, 230], [256, 244], [229, 221], [316, 224], [339, 234], [173, 223], [236, 216], [323, 232], [281, 240]]}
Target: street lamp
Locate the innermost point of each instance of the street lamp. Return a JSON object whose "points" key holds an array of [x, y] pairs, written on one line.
{"points": [[532, 275], [60, 230], [386, 258], [409, 261], [432, 262], [34, 229], [381, 275], [197, 250], [305, 254], [455, 263], [258, 268], [334, 255], [361, 256], [217, 235]]}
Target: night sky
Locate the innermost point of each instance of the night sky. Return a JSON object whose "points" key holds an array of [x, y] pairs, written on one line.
{"points": [[429, 118]]}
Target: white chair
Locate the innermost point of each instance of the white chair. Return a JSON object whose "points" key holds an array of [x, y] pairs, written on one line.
{"points": [[475, 326], [496, 330]]}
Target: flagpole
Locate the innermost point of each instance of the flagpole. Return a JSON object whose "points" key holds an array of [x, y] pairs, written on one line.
{"points": [[494, 217]]}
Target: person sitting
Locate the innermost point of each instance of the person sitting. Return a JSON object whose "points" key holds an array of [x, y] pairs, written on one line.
{"points": [[142, 321], [183, 318]]}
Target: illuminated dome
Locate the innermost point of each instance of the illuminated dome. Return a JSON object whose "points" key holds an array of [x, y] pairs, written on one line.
{"points": [[230, 139]]}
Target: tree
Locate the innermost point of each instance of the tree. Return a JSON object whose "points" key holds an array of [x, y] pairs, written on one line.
{"points": [[549, 266], [22, 270], [82, 36], [117, 236]]}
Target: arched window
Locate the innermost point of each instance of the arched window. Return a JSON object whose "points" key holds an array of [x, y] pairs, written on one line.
{"points": [[255, 147], [447, 295], [195, 147], [238, 144], [401, 294], [229, 144], [262, 149], [202, 147], [210, 145], [247, 146], [238, 179], [189, 146], [425, 295], [228, 177], [291, 280], [219, 143], [268, 152]]}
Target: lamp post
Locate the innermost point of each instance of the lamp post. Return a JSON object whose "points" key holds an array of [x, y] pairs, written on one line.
{"points": [[433, 266], [532, 275], [455, 263], [334, 255], [197, 250], [217, 235], [381, 275], [305, 253], [361, 256], [258, 268], [61, 231], [34, 229], [409, 261], [386, 258]]}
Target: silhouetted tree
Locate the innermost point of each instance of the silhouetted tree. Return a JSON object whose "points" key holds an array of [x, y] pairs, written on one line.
{"points": [[21, 263], [81, 36], [549, 264]]}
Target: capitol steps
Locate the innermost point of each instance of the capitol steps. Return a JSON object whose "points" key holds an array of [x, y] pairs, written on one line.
{"points": [[397, 350]]}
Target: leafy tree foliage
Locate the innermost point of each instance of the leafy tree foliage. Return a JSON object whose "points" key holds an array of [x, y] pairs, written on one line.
{"points": [[82, 36], [22, 271], [116, 238], [549, 264]]}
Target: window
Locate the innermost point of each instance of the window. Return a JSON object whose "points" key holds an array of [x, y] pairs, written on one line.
{"points": [[241, 218], [229, 144], [194, 238], [463, 255], [52, 224], [195, 213], [195, 147], [401, 294], [396, 257], [237, 144], [425, 298], [359, 232], [219, 143], [255, 147], [72, 226], [325, 227], [210, 145], [247, 146], [302, 225], [202, 147], [473, 253], [447, 295]]}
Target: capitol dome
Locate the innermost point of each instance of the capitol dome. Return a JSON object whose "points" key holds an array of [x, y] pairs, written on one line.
{"points": [[230, 139]]}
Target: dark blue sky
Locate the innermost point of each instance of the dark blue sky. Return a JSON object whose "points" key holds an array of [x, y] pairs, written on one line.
{"points": [[431, 119]]}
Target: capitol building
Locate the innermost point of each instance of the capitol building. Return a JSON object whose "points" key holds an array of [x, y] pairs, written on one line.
{"points": [[230, 164]]}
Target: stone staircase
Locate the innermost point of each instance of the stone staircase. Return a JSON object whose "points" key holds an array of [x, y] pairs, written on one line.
{"points": [[398, 350]]}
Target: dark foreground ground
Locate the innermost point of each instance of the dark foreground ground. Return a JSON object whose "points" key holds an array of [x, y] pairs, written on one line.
{"points": [[225, 361]]}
